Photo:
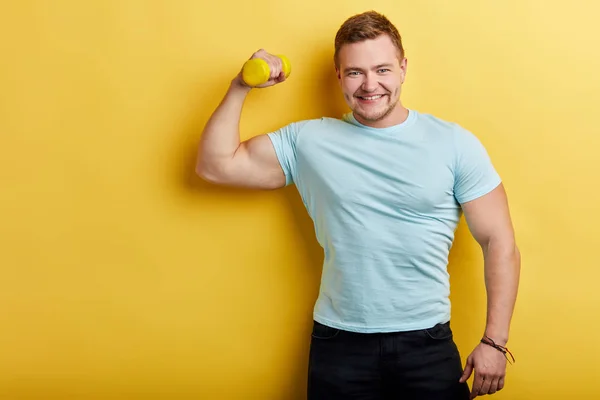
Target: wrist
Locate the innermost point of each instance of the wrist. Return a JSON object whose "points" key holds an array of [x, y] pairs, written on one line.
{"points": [[239, 86], [497, 335], [497, 339], [487, 341]]}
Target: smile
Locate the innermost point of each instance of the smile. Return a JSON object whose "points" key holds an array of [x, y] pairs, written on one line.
{"points": [[374, 97]]}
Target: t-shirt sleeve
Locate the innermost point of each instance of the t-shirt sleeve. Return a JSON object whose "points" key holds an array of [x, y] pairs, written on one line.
{"points": [[284, 141], [474, 174]]}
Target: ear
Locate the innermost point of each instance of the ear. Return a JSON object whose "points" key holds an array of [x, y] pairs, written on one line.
{"points": [[403, 68]]}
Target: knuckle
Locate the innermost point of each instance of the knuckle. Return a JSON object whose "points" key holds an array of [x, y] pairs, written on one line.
{"points": [[258, 53]]}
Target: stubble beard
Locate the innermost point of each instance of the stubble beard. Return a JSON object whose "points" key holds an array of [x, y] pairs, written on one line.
{"points": [[378, 116]]}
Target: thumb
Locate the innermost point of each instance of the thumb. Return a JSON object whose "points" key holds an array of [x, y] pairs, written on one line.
{"points": [[468, 370]]}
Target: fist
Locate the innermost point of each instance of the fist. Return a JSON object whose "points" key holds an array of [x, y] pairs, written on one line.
{"points": [[270, 71]]}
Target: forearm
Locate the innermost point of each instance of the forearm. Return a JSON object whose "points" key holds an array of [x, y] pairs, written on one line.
{"points": [[502, 269], [221, 137]]}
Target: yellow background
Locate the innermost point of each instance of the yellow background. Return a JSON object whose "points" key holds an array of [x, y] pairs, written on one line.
{"points": [[123, 276]]}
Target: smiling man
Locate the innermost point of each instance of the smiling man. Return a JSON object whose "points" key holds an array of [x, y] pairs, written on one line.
{"points": [[385, 186], [371, 89]]}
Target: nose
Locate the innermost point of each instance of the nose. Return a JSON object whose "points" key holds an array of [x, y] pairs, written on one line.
{"points": [[370, 83]]}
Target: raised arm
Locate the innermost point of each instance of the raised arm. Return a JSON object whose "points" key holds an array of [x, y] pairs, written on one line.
{"points": [[489, 221], [222, 158]]}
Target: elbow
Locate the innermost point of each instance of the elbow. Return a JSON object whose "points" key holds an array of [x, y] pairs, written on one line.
{"points": [[502, 247], [512, 251], [512, 255], [206, 167], [205, 173], [210, 173], [202, 171]]}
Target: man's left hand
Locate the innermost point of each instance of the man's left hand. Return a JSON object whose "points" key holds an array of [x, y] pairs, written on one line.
{"points": [[490, 369]]}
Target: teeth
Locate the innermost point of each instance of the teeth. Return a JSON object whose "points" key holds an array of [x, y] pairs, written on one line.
{"points": [[372, 97]]}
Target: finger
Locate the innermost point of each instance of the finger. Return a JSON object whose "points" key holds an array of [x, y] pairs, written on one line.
{"points": [[281, 77], [493, 386], [477, 383], [467, 372], [275, 66], [260, 53], [485, 387], [501, 383]]}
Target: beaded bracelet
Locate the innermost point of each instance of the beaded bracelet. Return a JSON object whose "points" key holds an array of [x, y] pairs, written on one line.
{"points": [[501, 349]]}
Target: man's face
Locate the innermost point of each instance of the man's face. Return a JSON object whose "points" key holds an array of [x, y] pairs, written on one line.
{"points": [[371, 77]]}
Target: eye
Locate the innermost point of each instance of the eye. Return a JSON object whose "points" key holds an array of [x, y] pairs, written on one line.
{"points": [[383, 70], [353, 73]]}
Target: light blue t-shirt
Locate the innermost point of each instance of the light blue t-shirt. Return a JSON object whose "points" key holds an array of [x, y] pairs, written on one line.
{"points": [[385, 204]]}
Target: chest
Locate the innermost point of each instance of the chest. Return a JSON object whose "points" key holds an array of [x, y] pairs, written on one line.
{"points": [[385, 176]]}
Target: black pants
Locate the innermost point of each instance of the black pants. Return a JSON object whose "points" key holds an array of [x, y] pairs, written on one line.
{"points": [[416, 365]]}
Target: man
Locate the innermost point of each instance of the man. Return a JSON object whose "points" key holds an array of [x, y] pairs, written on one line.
{"points": [[385, 186]]}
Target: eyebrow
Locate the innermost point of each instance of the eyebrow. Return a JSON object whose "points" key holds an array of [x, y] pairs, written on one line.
{"points": [[386, 65]]}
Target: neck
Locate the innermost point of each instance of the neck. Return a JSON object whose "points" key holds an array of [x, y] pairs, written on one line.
{"points": [[396, 116]]}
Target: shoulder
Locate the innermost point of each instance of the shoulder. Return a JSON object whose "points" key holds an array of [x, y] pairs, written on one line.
{"points": [[459, 136], [291, 134], [306, 124], [315, 125], [440, 125]]}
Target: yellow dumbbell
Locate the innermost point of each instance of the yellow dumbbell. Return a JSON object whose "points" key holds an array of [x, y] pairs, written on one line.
{"points": [[256, 71]]}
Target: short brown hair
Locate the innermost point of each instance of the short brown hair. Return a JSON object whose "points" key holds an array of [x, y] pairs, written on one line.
{"points": [[364, 26]]}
